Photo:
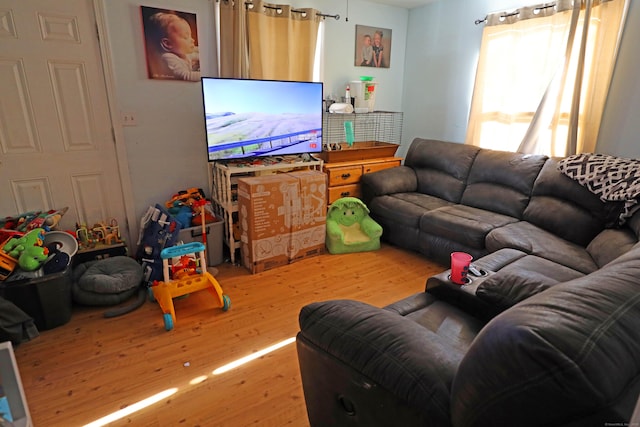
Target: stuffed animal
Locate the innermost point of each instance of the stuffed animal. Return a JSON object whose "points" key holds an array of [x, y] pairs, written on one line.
{"points": [[350, 228], [183, 214], [28, 249], [32, 257], [16, 245]]}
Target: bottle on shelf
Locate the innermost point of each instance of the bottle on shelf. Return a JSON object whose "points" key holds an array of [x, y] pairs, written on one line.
{"points": [[347, 97]]}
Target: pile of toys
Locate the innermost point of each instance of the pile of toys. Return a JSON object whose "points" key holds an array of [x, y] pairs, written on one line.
{"points": [[172, 268], [161, 225], [186, 205], [23, 245], [101, 233], [23, 223]]}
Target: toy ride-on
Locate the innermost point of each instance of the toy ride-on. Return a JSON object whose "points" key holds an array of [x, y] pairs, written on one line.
{"points": [[184, 276]]}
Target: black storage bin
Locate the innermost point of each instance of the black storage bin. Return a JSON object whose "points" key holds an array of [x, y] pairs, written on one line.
{"points": [[46, 299]]}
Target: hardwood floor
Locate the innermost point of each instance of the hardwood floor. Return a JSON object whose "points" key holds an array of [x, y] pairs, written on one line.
{"points": [[91, 367]]}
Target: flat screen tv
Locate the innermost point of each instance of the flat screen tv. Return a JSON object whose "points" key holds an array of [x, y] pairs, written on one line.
{"points": [[250, 118]]}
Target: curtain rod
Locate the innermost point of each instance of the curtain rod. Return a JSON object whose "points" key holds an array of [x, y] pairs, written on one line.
{"points": [[514, 13], [279, 10]]}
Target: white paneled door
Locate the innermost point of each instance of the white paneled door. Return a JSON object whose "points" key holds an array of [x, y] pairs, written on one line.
{"points": [[56, 142]]}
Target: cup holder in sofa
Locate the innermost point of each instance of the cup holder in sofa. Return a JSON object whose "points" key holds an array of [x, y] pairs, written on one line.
{"points": [[467, 280]]}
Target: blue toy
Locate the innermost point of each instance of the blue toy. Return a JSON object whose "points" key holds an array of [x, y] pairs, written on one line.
{"points": [[158, 230]]}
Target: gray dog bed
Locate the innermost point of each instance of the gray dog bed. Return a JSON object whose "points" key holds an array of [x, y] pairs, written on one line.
{"points": [[109, 281]]}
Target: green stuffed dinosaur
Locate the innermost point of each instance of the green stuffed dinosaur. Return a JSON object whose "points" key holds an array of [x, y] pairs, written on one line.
{"points": [[33, 257], [350, 228], [28, 249]]}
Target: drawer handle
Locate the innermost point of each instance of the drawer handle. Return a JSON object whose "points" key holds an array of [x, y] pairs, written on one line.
{"points": [[345, 193], [345, 175]]}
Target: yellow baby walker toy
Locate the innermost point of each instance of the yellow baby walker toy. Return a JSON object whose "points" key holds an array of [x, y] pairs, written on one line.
{"points": [[184, 277]]}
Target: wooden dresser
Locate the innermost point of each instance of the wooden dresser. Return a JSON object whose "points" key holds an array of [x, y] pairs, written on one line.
{"points": [[344, 177]]}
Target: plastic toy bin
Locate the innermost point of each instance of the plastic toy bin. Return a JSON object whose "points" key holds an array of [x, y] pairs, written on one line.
{"points": [[214, 231], [46, 299]]}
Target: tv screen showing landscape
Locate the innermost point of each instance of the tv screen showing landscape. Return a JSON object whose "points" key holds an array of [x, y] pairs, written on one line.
{"points": [[251, 118]]}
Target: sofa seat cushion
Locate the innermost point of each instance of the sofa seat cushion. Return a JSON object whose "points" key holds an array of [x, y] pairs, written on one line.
{"points": [[415, 362], [459, 327], [533, 240], [399, 215], [464, 224], [404, 208], [521, 279]]}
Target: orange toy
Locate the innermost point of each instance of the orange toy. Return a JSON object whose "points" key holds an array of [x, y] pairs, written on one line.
{"points": [[189, 277]]}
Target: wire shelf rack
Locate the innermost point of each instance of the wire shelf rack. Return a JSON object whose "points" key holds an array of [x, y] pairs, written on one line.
{"points": [[381, 126]]}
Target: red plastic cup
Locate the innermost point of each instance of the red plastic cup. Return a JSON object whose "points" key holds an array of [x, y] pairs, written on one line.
{"points": [[459, 267]]}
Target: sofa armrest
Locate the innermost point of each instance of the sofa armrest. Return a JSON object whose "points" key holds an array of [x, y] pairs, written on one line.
{"points": [[401, 179], [572, 349], [392, 352]]}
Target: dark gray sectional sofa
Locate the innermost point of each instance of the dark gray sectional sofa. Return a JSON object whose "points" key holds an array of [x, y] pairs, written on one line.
{"points": [[547, 335], [454, 197]]}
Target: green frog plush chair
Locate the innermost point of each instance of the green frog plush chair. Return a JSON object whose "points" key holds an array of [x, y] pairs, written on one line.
{"points": [[350, 228]]}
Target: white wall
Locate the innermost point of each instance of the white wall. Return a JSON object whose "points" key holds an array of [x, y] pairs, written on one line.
{"points": [[620, 129], [442, 51], [166, 150], [340, 47], [433, 64]]}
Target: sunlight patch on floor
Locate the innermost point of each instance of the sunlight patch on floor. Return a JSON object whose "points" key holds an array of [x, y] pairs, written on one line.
{"points": [[253, 356], [114, 416], [132, 408]]}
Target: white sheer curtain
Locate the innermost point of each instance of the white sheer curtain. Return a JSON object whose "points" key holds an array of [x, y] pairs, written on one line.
{"points": [[543, 76], [268, 41]]}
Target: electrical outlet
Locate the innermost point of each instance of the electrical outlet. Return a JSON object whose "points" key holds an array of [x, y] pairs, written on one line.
{"points": [[129, 119]]}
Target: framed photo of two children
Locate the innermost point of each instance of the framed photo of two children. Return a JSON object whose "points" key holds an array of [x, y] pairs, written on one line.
{"points": [[373, 47]]}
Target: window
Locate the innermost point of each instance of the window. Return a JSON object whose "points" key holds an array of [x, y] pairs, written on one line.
{"points": [[543, 75]]}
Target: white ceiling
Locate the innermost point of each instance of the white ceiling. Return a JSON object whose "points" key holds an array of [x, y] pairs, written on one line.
{"points": [[408, 4]]}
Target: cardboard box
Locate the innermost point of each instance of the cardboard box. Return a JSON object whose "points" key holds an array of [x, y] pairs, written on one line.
{"points": [[310, 215], [282, 218], [264, 206]]}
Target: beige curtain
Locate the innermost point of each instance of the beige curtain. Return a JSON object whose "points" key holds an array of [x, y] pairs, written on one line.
{"points": [[234, 60], [267, 41], [543, 76]]}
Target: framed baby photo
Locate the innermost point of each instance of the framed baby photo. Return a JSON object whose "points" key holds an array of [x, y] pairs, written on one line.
{"points": [[171, 44], [373, 47]]}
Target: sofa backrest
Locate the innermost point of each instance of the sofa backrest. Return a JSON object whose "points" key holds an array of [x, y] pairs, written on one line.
{"points": [[501, 181], [441, 167], [524, 186], [565, 208]]}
